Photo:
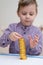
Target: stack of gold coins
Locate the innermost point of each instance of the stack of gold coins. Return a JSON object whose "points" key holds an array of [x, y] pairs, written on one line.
{"points": [[22, 49]]}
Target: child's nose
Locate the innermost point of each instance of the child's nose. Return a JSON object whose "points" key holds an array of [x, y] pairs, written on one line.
{"points": [[27, 16]]}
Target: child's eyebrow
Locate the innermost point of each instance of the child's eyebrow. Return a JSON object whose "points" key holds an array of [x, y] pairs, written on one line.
{"points": [[28, 12], [31, 12]]}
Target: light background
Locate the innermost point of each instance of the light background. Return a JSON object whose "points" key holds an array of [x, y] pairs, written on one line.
{"points": [[15, 60], [8, 13]]}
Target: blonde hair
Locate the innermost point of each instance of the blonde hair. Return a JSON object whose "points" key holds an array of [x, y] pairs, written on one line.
{"points": [[24, 3]]}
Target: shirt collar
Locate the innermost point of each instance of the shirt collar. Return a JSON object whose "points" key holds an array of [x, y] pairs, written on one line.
{"points": [[24, 27]]}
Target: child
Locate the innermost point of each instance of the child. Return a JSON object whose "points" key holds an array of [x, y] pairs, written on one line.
{"points": [[27, 11]]}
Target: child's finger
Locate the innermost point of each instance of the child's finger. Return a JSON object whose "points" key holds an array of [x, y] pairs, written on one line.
{"points": [[17, 37], [36, 38], [12, 37], [17, 34]]}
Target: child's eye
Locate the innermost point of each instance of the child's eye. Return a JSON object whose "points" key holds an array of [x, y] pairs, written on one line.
{"points": [[24, 13], [31, 14]]}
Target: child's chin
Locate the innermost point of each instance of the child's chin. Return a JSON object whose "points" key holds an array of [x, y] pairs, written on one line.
{"points": [[27, 24]]}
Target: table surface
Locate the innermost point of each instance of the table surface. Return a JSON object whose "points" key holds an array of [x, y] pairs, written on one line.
{"points": [[9, 59]]}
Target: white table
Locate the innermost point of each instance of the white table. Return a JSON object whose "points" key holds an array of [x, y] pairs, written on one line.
{"points": [[7, 59]]}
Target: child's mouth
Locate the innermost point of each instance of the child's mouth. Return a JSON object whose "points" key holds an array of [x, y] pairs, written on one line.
{"points": [[27, 21]]}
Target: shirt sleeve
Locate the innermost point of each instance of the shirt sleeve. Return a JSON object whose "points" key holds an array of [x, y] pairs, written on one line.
{"points": [[4, 39], [38, 49]]}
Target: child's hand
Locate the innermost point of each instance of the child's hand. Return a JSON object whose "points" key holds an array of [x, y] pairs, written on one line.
{"points": [[14, 36], [33, 42]]}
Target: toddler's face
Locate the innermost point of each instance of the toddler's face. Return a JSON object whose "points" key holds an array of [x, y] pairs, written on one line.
{"points": [[27, 14]]}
